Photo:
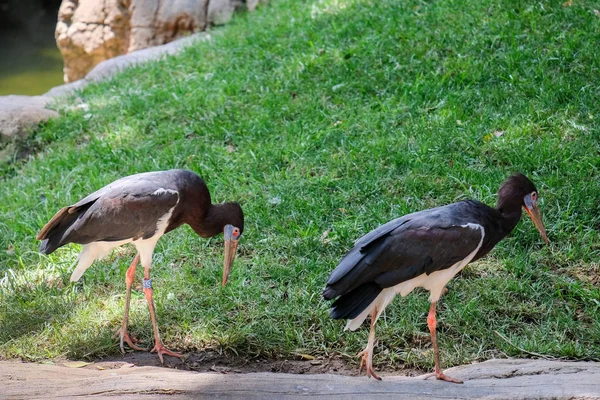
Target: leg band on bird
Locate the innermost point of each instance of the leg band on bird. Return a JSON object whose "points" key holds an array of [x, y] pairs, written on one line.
{"points": [[147, 283]]}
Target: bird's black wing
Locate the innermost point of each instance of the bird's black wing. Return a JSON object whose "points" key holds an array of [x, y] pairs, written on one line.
{"points": [[123, 213], [140, 183], [128, 208], [362, 245], [407, 247]]}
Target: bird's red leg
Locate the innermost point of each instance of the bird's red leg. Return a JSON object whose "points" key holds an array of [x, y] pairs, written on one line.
{"points": [[122, 332], [367, 353], [432, 323], [158, 345]]}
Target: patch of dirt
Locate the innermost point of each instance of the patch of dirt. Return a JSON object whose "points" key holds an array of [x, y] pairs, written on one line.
{"points": [[589, 273], [213, 361]]}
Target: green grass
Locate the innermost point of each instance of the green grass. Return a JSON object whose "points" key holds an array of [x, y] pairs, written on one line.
{"points": [[352, 113]]}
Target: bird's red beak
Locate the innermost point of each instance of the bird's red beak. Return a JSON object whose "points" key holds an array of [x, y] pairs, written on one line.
{"points": [[232, 238], [533, 211]]}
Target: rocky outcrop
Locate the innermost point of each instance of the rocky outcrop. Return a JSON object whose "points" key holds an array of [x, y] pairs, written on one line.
{"points": [[91, 31]]}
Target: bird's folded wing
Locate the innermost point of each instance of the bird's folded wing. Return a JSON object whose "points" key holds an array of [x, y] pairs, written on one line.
{"points": [[122, 214], [403, 249], [423, 251]]}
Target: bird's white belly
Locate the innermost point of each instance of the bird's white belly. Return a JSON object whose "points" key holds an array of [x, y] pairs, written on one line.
{"points": [[102, 249], [434, 282], [91, 252]]}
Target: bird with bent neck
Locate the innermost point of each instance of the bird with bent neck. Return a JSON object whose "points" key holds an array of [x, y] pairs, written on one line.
{"points": [[139, 209]]}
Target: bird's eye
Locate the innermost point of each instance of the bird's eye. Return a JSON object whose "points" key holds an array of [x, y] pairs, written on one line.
{"points": [[236, 232], [534, 196]]}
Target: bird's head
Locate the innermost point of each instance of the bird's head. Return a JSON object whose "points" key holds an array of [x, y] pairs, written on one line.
{"points": [[518, 188], [232, 233]]}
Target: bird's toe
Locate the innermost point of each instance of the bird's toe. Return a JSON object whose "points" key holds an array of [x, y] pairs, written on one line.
{"points": [[442, 377], [371, 373], [161, 350], [131, 341]]}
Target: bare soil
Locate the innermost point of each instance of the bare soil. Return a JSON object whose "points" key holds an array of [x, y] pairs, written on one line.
{"points": [[213, 361]]}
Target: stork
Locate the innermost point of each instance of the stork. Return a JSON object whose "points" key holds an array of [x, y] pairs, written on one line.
{"points": [[423, 249], [139, 209]]}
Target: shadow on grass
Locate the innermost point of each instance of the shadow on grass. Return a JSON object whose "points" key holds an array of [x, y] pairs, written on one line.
{"points": [[26, 311]]}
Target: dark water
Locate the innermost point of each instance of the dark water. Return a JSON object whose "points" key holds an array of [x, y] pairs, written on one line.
{"points": [[30, 62]]}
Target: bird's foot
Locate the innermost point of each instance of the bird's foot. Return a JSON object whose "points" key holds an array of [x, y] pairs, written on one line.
{"points": [[368, 364], [161, 349], [442, 377], [446, 378], [127, 338]]}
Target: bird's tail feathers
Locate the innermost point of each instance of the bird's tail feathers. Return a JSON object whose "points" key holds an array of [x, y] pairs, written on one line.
{"points": [[55, 220], [45, 246], [382, 300], [353, 303], [55, 233]]}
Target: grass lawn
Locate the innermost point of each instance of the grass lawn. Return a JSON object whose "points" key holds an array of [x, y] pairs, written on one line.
{"points": [[326, 119]]}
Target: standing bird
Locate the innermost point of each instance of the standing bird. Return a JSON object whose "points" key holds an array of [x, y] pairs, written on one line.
{"points": [[424, 249], [139, 209]]}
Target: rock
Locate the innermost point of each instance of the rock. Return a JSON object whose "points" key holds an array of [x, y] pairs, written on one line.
{"points": [[220, 11], [91, 31], [252, 4], [21, 114], [114, 65], [494, 379], [66, 89], [156, 22]]}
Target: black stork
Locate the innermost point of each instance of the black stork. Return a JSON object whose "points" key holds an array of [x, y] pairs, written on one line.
{"points": [[139, 209], [423, 249]]}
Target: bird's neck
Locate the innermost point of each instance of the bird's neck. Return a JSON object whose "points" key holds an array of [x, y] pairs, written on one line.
{"points": [[213, 222], [511, 214]]}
